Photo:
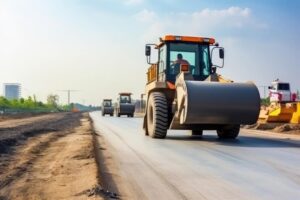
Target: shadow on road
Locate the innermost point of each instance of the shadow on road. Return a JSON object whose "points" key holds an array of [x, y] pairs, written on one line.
{"points": [[241, 141]]}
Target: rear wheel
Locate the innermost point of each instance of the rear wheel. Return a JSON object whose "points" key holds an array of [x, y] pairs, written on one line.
{"points": [[157, 115], [229, 132]]}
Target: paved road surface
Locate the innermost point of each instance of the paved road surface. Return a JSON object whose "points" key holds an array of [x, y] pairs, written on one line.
{"points": [[185, 167]]}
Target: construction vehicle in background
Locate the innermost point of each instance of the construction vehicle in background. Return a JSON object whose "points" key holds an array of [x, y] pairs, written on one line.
{"points": [[281, 92], [188, 94], [283, 107], [107, 107], [124, 105]]}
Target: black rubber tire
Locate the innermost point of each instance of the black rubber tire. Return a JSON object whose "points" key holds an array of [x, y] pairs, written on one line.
{"points": [[197, 132], [229, 132], [157, 115]]}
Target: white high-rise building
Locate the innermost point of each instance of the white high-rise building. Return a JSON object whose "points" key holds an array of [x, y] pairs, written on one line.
{"points": [[12, 90]]}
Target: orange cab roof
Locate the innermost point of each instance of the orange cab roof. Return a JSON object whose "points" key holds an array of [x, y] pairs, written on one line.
{"points": [[170, 38], [125, 93]]}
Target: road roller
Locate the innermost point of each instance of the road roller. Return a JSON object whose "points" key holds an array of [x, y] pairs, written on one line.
{"points": [[107, 107], [185, 92], [124, 105]]}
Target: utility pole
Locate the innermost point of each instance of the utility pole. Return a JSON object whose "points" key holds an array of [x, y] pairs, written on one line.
{"points": [[69, 94]]}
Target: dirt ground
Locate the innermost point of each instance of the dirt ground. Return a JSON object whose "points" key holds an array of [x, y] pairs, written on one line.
{"points": [[276, 128], [48, 157]]}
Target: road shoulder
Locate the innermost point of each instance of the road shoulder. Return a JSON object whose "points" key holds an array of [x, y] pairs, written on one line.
{"points": [[56, 164]]}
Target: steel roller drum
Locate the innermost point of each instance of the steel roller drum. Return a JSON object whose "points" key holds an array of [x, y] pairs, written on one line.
{"points": [[127, 108], [217, 103]]}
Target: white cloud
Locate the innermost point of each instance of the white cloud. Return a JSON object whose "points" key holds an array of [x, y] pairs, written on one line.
{"points": [[231, 17], [231, 11], [204, 22], [146, 16]]}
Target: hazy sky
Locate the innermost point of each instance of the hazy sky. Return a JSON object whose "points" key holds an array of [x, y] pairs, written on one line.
{"points": [[97, 46]]}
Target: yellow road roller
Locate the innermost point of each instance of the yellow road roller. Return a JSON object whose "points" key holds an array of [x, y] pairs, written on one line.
{"points": [[185, 92]]}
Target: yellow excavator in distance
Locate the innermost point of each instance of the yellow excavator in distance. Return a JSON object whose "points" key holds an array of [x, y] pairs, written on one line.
{"points": [[185, 92]]}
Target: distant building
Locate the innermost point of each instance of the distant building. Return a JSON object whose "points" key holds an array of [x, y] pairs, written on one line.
{"points": [[12, 90]]}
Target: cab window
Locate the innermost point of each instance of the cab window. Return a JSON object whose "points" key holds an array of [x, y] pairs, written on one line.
{"points": [[125, 99], [283, 86], [162, 59], [195, 55], [107, 103], [204, 62], [189, 57]]}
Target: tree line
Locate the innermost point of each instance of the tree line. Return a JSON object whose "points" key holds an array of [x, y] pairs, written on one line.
{"points": [[31, 104]]}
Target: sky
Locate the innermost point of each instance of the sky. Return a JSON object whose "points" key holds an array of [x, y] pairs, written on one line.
{"points": [[96, 47]]}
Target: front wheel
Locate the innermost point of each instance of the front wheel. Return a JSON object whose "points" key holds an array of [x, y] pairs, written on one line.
{"points": [[157, 115], [229, 132]]}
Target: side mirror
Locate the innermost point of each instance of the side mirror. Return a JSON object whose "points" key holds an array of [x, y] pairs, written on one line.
{"points": [[221, 53], [148, 50], [215, 60]]}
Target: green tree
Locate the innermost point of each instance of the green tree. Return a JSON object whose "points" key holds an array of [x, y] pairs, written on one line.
{"points": [[265, 102], [22, 100], [29, 103], [52, 100], [4, 103]]}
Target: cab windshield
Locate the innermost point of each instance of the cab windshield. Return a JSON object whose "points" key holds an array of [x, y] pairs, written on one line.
{"points": [[195, 55], [125, 99], [107, 103], [283, 86]]}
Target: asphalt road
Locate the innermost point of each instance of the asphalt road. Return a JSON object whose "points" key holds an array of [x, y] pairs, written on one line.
{"points": [[186, 167]]}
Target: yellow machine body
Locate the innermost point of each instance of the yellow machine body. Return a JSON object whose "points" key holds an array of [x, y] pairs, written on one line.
{"points": [[282, 113]]}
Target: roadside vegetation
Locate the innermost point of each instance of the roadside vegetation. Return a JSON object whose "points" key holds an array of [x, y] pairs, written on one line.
{"points": [[31, 104], [265, 101]]}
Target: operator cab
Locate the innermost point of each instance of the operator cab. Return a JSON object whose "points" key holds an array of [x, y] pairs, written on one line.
{"points": [[195, 53], [280, 92], [107, 103], [125, 97]]}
